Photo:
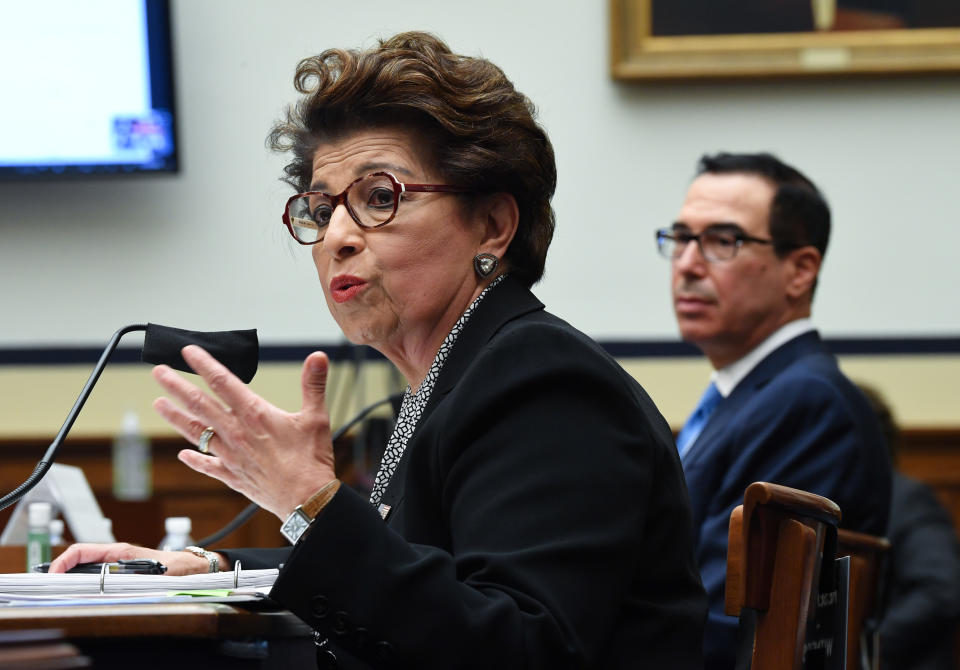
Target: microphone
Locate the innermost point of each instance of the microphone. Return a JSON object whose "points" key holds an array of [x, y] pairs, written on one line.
{"points": [[238, 350], [161, 341]]}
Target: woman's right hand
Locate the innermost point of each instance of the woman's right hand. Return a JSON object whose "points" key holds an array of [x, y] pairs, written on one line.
{"points": [[277, 459], [177, 562]]}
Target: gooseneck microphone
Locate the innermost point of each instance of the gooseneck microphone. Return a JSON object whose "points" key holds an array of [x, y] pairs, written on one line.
{"points": [[238, 350]]}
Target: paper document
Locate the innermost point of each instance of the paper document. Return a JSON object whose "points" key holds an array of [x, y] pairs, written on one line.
{"points": [[244, 598], [17, 585]]}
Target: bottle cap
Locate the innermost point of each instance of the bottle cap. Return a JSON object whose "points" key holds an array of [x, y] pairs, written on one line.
{"points": [[56, 531], [39, 514], [178, 525], [131, 423]]}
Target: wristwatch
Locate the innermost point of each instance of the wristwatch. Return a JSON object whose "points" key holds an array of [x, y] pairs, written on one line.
{"points": [[301, 518], [209, 555]]}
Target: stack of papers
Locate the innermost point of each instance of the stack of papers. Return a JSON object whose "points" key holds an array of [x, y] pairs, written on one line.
{"points": [[39, 585]]}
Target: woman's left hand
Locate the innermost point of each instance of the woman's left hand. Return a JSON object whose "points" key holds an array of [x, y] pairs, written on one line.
{"points": [[275, 458], [177, 562]]}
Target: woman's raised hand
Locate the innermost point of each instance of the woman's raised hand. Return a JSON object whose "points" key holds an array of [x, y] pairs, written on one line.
{"points": [[275, 458]]}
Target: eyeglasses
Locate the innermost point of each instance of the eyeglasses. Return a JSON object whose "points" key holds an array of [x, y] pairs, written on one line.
{"points": [[371, 200], [716, 244]]}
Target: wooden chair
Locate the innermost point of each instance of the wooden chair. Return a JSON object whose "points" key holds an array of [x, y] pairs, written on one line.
{"points": [[777, 539], [868, 566]]}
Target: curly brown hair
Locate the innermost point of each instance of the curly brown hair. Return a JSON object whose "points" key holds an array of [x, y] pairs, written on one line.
{"points": [[477, 129]]}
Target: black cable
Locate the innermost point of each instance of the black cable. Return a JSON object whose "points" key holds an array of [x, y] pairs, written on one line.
{"points": [[234, 524], [252, 508], [340, 400]]}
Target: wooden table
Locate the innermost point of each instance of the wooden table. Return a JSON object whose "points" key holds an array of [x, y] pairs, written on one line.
{"points": [[174, 635]]}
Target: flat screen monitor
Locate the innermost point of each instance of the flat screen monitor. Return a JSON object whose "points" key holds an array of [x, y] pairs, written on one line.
{"points": [[87, 88]]}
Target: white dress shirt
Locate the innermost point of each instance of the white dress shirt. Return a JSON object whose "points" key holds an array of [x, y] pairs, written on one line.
{"points": [[727, 378]]}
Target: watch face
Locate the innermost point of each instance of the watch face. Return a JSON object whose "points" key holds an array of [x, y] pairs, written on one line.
{"points": [[294, 526]]}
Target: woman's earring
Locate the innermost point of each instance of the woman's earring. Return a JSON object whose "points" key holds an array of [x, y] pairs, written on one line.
{"points": [[485, 264]]}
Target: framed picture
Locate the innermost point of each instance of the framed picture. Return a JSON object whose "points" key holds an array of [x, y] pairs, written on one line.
{"points": [[704, 39]]}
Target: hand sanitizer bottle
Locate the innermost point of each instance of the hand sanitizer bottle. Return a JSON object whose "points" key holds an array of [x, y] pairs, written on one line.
{"points": [[38, 533]]}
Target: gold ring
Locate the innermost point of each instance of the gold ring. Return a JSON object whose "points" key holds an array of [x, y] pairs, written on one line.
{"points": [[203, 445]]}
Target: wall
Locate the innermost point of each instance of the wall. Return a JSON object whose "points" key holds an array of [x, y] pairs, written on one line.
{"points": [[206, 250]]}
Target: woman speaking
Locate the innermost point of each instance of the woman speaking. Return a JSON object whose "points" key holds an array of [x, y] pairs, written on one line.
{"points": [[530, 510]]}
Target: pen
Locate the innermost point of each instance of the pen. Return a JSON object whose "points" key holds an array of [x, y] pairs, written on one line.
{"points": [[136, 566]]}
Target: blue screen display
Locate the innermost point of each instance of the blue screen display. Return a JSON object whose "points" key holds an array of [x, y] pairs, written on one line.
{"points": [[88, 89]]}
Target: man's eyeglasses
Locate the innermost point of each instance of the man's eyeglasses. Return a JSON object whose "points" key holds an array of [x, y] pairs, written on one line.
{"points": [[716, 244], [372, 201]]}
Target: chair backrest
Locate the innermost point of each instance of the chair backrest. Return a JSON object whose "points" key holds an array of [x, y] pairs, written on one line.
{"points": [[776, 544], [868, 568]]}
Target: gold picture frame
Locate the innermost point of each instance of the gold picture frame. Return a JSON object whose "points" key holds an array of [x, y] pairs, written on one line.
{"points": [[638, 55]]}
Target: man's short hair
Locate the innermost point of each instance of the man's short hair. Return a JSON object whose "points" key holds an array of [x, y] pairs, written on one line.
{"points": [[799, 214]]}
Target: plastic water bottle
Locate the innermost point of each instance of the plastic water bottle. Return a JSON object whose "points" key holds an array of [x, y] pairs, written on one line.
{"points": [[106, 531], [178, 530], [132, 470], [56, 532], [38, 533]]}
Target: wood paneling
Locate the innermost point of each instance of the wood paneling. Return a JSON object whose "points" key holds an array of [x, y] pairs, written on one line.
{"points": [[932, 456], [177, 491]]}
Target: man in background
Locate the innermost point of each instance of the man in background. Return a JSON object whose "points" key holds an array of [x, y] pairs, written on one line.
{"points": [[746, 251], [918, 629]]}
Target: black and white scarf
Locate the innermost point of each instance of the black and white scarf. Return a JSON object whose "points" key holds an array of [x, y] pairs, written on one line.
{"points": [[413, 405]]}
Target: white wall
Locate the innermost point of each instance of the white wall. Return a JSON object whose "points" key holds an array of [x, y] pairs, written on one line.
{"points": [[206, 250]]}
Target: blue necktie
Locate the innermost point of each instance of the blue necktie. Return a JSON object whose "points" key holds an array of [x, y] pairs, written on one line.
{"points": [[698, 419]]}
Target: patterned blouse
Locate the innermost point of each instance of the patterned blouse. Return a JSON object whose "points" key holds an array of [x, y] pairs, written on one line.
{"points": [[414, 403]]}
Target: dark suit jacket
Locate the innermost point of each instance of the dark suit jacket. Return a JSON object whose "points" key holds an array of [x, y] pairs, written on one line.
{"points": [[794, 420], [539, 519], [919, 628]]}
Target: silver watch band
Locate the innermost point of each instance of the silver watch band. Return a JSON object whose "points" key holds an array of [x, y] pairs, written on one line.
{"points": [[209, 555]]}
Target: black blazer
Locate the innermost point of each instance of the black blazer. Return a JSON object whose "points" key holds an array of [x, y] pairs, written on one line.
{"points": [[919, 626], [538, 519]]}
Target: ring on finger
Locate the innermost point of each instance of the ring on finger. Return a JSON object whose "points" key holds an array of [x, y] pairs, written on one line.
{"points": [[203, 444]]}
